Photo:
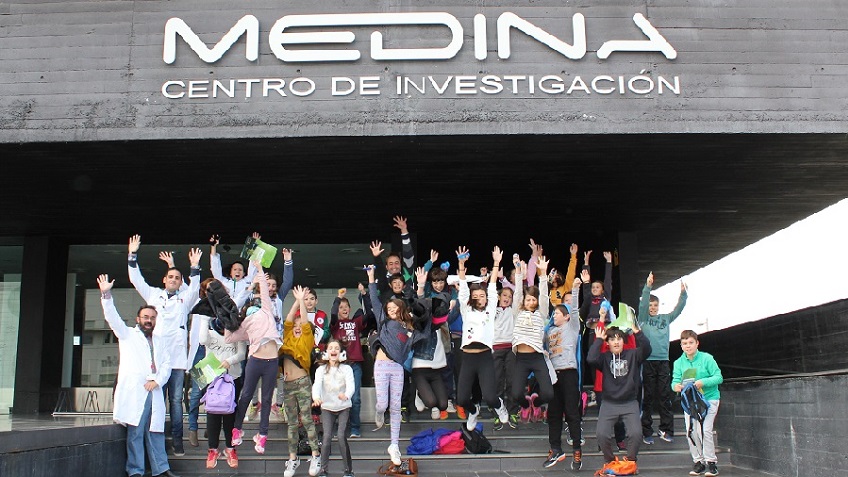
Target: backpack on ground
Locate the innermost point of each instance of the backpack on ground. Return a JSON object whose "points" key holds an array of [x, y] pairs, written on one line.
{"points": [[618, 467], [475, 441], [407, 468], [220, 397], [694, 404]]}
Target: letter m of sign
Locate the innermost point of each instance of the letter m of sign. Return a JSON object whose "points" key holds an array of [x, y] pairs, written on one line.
{"points": [[247, 25]]}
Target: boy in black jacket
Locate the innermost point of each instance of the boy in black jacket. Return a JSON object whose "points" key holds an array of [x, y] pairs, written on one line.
{"points": [[622, 384]]}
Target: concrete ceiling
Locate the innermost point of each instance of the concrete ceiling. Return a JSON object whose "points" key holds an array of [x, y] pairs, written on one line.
{"points": [[688, 199]]}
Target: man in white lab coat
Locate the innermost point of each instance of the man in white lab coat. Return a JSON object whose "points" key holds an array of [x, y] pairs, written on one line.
{"points": [[172, 304], [144, 367]]}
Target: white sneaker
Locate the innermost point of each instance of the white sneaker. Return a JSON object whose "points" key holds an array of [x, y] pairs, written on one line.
{"points": [[314, 465], [451, 408], [419, 404], [472, 419], [502, 413], [435, 414], [291, 467], [394, 453], [380, 419]]}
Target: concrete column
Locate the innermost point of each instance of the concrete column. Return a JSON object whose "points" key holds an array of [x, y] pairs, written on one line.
{"points": [[38, 373]]}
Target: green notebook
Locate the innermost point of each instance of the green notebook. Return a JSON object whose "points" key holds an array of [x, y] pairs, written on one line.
{"points": [[257, 250], [206, 370]]}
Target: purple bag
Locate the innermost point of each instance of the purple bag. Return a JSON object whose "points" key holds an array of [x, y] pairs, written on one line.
{"points": [[220, 397]]}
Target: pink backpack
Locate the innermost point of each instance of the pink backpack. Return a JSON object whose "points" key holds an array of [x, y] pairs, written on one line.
{"points": [[220, 397]]}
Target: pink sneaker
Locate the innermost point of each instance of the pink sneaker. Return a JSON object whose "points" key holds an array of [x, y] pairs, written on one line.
{"points": [[525, 414], [537, 414], [237, 437], [260, 443]]}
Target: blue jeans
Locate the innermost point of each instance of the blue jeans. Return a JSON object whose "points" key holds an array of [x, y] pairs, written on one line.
{"points": [[139, 437], [174, 390], [194, 395], [356, 399]]}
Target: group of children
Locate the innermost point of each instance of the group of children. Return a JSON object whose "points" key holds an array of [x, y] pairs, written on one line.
{"points": [[519, 348]]}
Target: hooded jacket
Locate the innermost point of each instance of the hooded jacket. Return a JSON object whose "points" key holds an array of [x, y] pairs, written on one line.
{"points": [[622, 372]]}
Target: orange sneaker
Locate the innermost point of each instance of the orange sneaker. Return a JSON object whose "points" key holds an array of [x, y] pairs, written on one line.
{"points": [[460, 412], [443, 415], [212, 458], [232, 458]]}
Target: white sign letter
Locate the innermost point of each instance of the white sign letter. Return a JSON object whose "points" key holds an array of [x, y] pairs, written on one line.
{"points": [[655, 42], [509, 20], [248, 25], [351, 86]]}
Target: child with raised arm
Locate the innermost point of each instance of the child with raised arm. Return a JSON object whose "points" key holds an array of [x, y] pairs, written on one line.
{"points": [[260, 331], [530, 308], [348, 329], [561, 338], [477, 306], [296, 353], [334, 385], [391, 346]]}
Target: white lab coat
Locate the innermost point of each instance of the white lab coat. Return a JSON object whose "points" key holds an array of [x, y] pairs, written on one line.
{"points": [[235, 288], [134, 370], [172, 315]]}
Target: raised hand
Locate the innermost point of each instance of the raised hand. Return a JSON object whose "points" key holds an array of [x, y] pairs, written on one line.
{"points": [[256, 265], [434, 256], [520, 271], [608, 257], [542, 265], [194, 257], [421, 275], [573, 249], [584, 276], [400, 223], [168, 258], [376, 248], [600, 332], [287, 254], [462, 255], [256, 236], [342, 292], [650, 280], [497, 254], [683, 286], [369, 270], [135, 243], [104, 283], [586, 256], [536, 249], [298, 292]]}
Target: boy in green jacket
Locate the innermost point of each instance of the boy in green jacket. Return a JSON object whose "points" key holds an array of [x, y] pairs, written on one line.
{"points": [[702, 368]]}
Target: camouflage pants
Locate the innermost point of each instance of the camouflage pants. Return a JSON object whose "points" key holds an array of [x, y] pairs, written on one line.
{"points": [[298, 400]]}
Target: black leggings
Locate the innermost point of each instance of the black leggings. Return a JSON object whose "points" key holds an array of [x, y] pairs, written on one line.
{"points": [[215, 421], [431, 387], [479, 367], [257, 368], [524, 364], [566, 401]]}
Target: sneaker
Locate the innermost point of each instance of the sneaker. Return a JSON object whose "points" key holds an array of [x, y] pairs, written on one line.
{"points": [[253, 411], [291, 467], [394, 453], [212, 458], [622, 446], [577, 462], [355, 434], [513, 420], [192, 438], [472, 420], [498, 425], [460, 413], [179, 451], [698, 469], [666, 436], [237, 437], [451, 409], [584, 400], [649, 440], [275, 410], [435, 414], [232, 458], [503, 414], [260, 443], [525, 414], [323, 473], [554, 458], [314, 465], [404, 415], [570, 440], [348, 473], [380, 419], [419, 404], [712, 469], [593, 400], [443, 415], [536, 416]]}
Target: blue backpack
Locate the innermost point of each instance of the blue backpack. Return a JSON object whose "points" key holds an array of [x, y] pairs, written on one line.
{"points": [[220, 397], [695, 406]]}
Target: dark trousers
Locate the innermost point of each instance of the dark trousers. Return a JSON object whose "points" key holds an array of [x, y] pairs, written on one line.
{"points": [[256, 369], [431, 387], [656, 386], [525, 363], [478, 367], [504, 370], [608, 416], [214, 422], [328, 420], [407, 399], [566, 402]]}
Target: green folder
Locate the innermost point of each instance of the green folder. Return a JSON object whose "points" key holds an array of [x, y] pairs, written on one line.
{"points": [[257, 250], [206, 370], [625, 319]]}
